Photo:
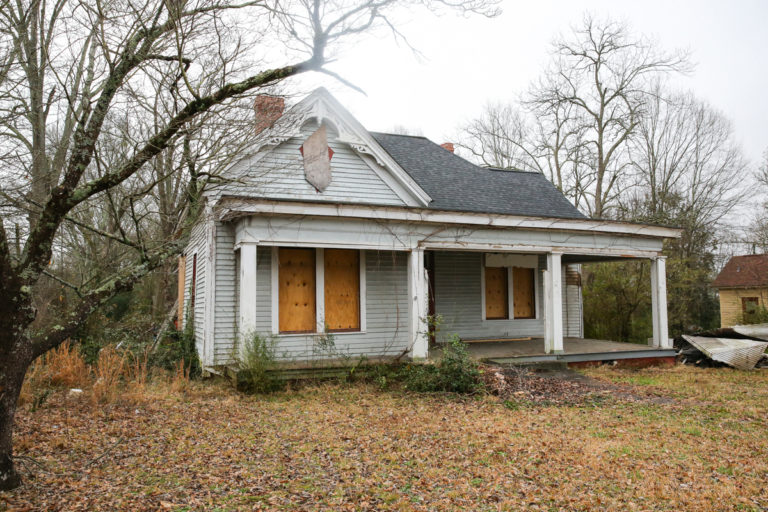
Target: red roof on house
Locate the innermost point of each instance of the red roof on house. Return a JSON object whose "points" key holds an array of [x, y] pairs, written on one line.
{"points": [[744, 272]]}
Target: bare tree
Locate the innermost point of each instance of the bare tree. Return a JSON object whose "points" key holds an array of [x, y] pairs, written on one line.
{"points": [[499, 138], [601, 74], [758, 230], [78, 147], [534, 139], [689, 169]]}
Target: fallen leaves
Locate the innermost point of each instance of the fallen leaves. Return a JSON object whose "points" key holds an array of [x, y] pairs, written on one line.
{"points": [[574, 445]]}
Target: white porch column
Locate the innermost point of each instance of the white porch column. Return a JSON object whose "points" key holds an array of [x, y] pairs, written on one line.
{"points": [[418, 304], [247, 320], [553, 304], [659, 303]]}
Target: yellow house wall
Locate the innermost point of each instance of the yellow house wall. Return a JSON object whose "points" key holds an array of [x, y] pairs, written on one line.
{"points": [[730, 303]]}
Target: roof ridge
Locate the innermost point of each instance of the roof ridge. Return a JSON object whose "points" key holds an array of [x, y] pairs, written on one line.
{"points": [[401, 135]]}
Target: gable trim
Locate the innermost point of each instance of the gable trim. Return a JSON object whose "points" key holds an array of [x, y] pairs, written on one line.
{"points": [[321, 105]]}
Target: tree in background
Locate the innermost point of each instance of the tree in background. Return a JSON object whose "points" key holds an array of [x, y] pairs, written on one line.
{"points": [[102, 106], [758, 236], [601, 125]]}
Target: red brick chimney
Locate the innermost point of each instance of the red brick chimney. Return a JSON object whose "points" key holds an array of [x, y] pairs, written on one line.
{"points": [[268, 109], [448, 146]]}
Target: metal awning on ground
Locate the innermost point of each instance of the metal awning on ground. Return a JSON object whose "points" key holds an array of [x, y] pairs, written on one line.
{"points": [[753, 331], [741, 354]]}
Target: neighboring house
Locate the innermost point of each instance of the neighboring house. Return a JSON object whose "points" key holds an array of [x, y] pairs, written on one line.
{"points": [[342, 242], [743, 288]]}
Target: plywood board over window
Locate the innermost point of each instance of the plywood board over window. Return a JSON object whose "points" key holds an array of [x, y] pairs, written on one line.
{"points": [[342, 290], [296, 290], [496, 293], [523, 290]]}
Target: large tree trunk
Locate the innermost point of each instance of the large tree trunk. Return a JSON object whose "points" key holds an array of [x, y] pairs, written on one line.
{"points": [[13, 367]]}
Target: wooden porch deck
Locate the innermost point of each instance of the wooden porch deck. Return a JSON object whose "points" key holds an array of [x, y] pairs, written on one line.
{"points": [[576, 350]]}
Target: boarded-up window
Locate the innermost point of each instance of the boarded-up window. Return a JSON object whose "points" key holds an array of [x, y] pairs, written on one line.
{"points": [[523, 300], [496, 293], [296, 291], [342, 290]]}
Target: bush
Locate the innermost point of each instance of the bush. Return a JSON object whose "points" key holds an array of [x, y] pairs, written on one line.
{"points": [[256, 363], [456, 372], [178, 347]]}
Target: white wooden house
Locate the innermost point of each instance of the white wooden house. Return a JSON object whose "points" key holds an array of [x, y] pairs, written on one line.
{"points": [[329, 232]]}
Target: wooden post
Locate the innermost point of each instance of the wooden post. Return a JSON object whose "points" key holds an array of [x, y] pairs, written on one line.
{"points": [[659, 303], [247, 320], [418, 304], [553, 304]]}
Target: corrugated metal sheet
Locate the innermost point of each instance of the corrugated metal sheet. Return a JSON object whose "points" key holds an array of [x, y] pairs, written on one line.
{"points": [[741, 354], [754, 331]]}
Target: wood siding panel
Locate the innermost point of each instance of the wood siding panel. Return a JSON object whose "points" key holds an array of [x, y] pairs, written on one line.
{"points": [[342, 289], [280, 175], [458, 300], [297, 290], [182, 277], [226, 306], [523, 291], [572, 302], [386, 310], [194, 309], [496, 293]]}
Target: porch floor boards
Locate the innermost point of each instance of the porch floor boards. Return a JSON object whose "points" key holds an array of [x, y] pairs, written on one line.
{"points": [[575, 350]]}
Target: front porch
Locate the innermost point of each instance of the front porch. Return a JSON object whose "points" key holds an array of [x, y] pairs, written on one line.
{"points": [[575, 351]]}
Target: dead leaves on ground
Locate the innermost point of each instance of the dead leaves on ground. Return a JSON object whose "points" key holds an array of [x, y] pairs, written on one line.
{"points": [[335, 447]]}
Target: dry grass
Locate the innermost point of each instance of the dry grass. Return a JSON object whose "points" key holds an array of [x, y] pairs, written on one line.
{"points": [[334, 447], [107, 375], [61, 367]]}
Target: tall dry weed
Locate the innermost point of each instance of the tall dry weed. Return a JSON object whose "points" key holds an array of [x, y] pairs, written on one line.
{"points": [[108, 373], [180, 378], [61, 367], [66, 367]]}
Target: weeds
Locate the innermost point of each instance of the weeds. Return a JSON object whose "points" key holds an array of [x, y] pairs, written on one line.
{"points": [[256, 363], [109, 369], [455, 372]]}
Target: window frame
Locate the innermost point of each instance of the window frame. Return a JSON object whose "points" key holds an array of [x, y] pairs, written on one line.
{"points": [[319, 290], [510, 286]]}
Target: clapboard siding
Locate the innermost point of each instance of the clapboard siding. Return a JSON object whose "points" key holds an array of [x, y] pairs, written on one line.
{"points": [[279, 174], [572, 305], [458, 300], [225, 307], [386, 312], [196, 245]]}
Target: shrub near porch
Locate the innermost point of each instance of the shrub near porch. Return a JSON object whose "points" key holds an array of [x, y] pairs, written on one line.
{"points": [[698, 442]]}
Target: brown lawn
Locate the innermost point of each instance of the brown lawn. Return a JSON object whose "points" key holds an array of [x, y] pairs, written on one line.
{"points": [[353, 447]]}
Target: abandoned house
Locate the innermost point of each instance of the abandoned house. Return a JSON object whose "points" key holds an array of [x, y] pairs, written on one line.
{"points": [[338, 242], [743, 288]]}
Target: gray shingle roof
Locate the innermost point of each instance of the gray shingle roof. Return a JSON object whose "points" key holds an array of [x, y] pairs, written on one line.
{"points": [[459, 185]]}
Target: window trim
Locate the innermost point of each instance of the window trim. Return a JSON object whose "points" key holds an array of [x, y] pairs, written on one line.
{"points": [[510, 287], [319, 293]]}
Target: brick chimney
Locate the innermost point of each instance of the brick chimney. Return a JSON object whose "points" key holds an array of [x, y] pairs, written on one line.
{"points": [[269, 108], [448, 146]]}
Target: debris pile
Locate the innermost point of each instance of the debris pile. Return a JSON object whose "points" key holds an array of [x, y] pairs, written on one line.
{"points": [[741, 347]]}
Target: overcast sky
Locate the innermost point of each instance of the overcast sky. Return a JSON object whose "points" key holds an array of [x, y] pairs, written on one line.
{"points": [[467, 62]]}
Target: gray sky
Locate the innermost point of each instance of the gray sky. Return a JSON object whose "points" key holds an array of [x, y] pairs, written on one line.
{"points": [[469, 61]]}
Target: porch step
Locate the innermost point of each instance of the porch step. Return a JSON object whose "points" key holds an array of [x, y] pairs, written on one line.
{"points": [[565, 359], [534, 366]]}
